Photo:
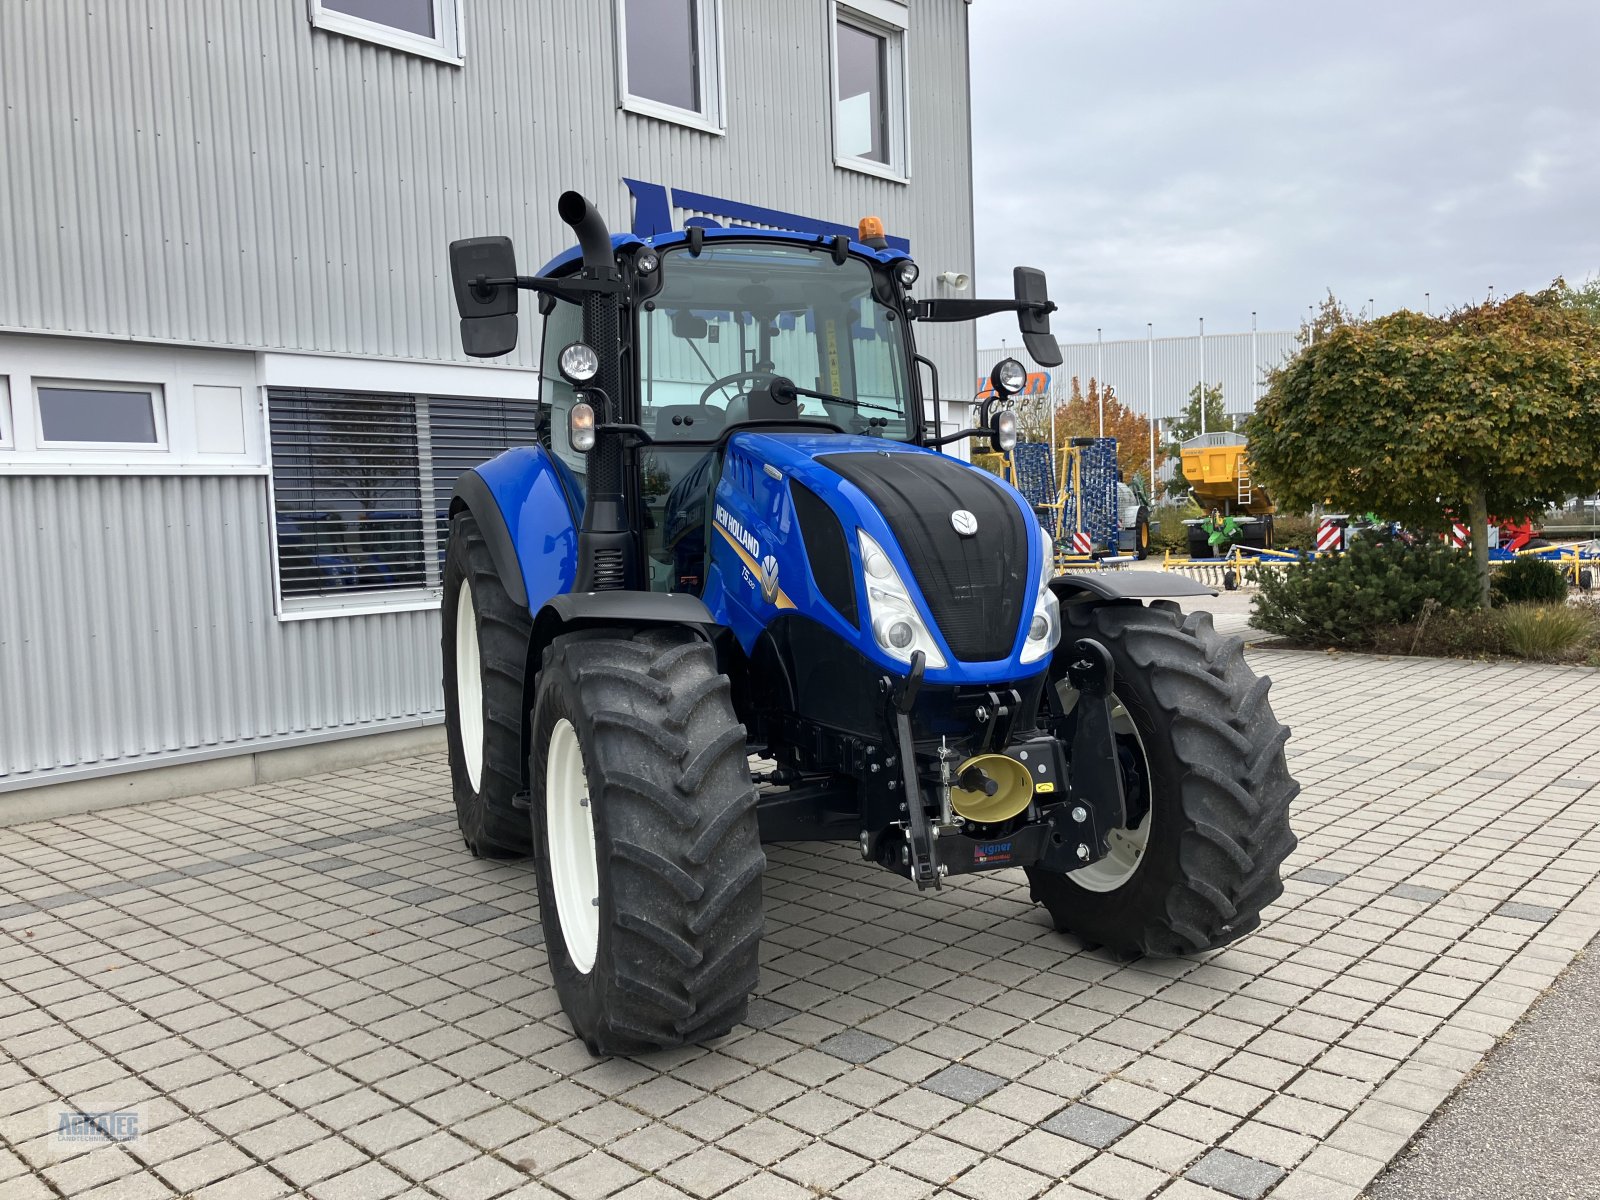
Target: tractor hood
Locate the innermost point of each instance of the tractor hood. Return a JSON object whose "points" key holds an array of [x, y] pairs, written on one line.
{"points": [[965, 545]]}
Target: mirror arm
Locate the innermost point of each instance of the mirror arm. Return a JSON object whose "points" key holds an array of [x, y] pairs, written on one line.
{"points": [[956, 436], [971, 310], [572, 289]]}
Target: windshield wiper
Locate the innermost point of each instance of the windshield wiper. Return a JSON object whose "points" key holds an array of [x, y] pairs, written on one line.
{"points": [[783, 388]]}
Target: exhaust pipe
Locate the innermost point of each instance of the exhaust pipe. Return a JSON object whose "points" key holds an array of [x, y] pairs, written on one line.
{"points": [[593, 237]]}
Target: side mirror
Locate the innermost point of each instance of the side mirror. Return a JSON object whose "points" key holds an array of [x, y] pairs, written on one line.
{"points": [[1034, 323], [488, 311]]}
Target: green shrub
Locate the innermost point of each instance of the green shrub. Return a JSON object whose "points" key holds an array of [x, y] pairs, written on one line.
{"points": [[1529, 580], [1346, 600], [1173, 535], [1546, 631]]}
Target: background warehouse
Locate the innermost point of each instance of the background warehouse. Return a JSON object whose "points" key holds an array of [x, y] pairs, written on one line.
{"points": [[225, 296]]}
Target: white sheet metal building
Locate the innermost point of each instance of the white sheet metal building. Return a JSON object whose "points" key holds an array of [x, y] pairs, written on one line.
{"points": [[222, 245], [1162, 372]]}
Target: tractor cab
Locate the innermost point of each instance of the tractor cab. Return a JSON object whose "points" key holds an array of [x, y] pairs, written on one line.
{"points": [[721, 331]]}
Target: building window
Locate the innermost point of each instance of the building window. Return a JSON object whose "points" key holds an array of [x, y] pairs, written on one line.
{"points": [[79, 415], [362, 483], [869, 70], [7, 438], [427, 27], [669, 60]]}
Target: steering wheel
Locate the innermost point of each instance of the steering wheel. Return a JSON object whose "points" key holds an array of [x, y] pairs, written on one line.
{"points": [[730, 380]]}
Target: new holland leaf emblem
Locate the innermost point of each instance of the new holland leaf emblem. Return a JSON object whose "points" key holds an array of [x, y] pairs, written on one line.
{"points": [[769, 579]]}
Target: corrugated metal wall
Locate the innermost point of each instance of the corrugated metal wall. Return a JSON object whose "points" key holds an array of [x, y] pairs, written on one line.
{"points": [[1229, 361], [136, 623], [218, 172]]}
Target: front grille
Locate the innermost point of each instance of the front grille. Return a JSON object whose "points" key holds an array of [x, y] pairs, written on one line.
{"points": [[975, 586]]}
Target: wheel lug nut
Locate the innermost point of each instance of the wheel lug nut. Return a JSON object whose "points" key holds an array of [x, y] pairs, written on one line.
{"points": [[1080, 814], [1083, 852]]}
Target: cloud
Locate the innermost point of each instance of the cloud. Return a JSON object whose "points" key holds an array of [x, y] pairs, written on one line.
{"points": [[1167, 160]]}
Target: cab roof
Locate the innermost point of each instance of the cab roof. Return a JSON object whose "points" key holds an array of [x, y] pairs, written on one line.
{"points": [[676, 237]]}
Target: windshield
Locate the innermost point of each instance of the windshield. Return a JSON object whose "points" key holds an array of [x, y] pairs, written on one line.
{"points": [[726, 323]]}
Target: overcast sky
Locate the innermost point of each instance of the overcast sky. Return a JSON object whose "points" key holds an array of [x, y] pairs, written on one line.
{"points": [[1166, 160]]}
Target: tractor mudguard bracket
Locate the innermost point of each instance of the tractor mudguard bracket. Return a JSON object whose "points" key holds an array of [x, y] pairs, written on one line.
{"points": [[1095, 778]]}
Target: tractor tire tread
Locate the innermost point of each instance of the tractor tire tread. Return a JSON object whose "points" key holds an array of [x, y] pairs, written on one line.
{"points": [[668, 770], [491, 825], [1233, 791]]}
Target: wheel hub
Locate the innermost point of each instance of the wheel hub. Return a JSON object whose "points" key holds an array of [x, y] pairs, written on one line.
{"points": [[574, 864], [469, 687]]}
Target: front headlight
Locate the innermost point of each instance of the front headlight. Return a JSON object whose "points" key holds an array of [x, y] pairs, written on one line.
{"points": [[1044, 627], [897, 627]]}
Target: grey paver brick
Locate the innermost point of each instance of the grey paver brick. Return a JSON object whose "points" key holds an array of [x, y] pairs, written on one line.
{"points": [[764, 1014], [854, 1046], [964, 1083], [1091, 1126], [1527, 912], [1234, 1174], [1417, 891], [1319, 876]]}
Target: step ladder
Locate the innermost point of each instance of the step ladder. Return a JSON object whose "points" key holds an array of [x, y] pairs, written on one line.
{"points": [[1244, 490]]}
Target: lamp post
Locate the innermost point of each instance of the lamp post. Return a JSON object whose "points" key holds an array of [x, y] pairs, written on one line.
{"points": [[1202, 375], [1150, 397], [1100, 377]]}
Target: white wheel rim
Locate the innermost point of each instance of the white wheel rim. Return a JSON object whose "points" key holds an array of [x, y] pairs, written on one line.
{"points": [[574, 867], [469, 686], [1127, 845]]}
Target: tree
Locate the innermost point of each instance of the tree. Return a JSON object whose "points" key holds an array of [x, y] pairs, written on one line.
{"points": [[1491, 409], [1187, 425], [1079, 416]]}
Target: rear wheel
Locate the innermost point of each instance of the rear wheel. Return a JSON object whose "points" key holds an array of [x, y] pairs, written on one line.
{"points": [[645, 834], [1207, 787], [1141, 535], [1199, 544], [485, 636]]}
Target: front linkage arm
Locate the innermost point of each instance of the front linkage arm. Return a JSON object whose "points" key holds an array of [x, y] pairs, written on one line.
{"points": [[1094, 787]]}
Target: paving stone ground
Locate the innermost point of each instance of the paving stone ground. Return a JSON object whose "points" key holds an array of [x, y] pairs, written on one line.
{"points": [[309, 988]]}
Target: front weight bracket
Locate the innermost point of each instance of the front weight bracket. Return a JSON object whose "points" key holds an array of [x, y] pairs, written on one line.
{"points": [[1095, 774]]}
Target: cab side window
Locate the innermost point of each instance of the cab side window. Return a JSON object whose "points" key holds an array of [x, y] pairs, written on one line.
{"points": [[562, 327]]}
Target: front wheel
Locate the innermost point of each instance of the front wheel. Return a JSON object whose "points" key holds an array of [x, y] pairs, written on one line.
{"points": [[649, 858], [1141, 536], [1207, 788]]}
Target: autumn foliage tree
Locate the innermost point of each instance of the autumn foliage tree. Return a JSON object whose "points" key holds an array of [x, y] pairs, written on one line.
{"points": [[1491, 409], [1079, 416]]}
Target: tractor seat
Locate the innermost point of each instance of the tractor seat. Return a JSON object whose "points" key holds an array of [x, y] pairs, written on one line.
{"points": [[688, 422]]}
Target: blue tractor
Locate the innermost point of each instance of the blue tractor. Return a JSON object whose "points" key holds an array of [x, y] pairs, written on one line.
{"points": [[737, 540]]}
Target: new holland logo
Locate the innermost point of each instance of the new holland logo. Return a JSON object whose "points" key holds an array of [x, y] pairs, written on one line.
{"points": [[769, 579], [965, 523]]}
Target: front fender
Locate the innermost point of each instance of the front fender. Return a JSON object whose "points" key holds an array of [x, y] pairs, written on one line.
{"points": [[525, 512]]}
